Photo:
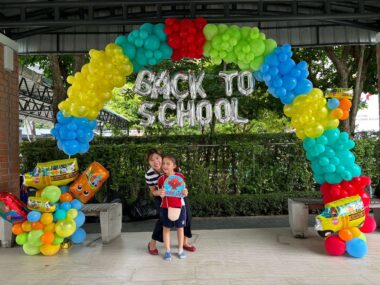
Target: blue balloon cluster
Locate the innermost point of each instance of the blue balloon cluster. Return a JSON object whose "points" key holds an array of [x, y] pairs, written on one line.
{"points": [[64, 207], [285, 79], [145, 46], [73, 134], [331, 158], [356, 247]]}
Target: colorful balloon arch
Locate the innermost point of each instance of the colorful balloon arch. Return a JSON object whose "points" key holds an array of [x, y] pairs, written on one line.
{"points": [[314, 118]]}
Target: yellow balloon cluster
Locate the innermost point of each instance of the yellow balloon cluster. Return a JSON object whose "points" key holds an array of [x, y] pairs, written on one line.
{"points": [[92, 87], [310, 115]]}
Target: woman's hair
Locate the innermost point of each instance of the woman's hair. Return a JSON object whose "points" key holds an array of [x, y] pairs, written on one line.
{"points": [[172, 159], [152, 151]]}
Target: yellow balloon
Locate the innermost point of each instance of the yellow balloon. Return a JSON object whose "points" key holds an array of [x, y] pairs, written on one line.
{"points": [[65, 228], [50, 249], [72, 213], [355, 232], [50, 228], [46, 218]]}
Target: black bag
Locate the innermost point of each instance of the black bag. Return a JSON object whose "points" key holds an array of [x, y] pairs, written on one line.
{"points": [[143, 209]]}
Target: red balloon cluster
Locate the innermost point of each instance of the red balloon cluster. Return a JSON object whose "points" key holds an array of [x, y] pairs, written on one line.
{"points": [[185, 37], [333, 192]]}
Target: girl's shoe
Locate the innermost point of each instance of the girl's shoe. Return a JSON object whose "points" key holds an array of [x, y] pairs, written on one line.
{"points": [[168, 256], [181, 255]]}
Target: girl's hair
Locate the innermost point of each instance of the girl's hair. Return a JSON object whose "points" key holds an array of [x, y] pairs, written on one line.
{"points": [[172, 159], [152, 151]]}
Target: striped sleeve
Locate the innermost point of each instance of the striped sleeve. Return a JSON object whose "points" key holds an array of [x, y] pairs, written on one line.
{"points": [[151, 177]]}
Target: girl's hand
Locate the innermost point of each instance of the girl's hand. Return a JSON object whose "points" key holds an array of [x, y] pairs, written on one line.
{"points": [[161, 192], [185, 192]]}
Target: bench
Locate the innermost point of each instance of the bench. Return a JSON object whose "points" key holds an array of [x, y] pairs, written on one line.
{"points": [[110, 215], [299, 213]]}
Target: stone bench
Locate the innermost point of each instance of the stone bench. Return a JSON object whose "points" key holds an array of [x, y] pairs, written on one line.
{"points": [[110, 215], [299, 213]]}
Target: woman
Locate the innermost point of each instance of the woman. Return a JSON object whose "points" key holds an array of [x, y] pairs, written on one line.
{"points": [[154, 158]]}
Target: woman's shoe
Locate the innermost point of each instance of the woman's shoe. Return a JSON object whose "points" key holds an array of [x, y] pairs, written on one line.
{"points": [[190, 247], [152, 251]]}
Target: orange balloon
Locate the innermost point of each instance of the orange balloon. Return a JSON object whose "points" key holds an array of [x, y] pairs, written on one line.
{"points": [[26, 226], [47, 238], [336, 113], [345, 104], [37, 226], [17, 229], [66, 197], [345, 116], [345, 234]]}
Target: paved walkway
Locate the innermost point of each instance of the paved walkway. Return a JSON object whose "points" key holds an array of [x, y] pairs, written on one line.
{"points": [[228, 256]]}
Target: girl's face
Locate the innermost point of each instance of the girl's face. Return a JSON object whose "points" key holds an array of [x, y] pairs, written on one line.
{"points": [[168, 165], [155, 161]]}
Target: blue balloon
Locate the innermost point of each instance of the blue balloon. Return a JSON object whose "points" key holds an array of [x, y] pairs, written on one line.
{"points": [[76, 204], [289, 82], [78, 236], [166, 50], [159, 32], [272, 60], [121, 40], [148, 27], [356, 247], [286, 66], [80, 219], [62, 119], [84, 147], [304, 86], [64, 188], [333, 103], [65, 206], [59, 214], [34, 216]]}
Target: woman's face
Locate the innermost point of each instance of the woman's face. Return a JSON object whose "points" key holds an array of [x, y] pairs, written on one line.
{"points": [[155, 161], [168, 165]]}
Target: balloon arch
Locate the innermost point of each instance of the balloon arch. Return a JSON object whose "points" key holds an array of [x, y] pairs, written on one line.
{"points": [[314, 118]]}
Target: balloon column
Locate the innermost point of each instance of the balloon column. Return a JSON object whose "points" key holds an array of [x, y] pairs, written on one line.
{"points": [[90, 89], [44, 231], [314, 119]]}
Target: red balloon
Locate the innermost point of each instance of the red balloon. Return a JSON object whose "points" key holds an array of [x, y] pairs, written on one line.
{"points": [[366, 180], [325, 188], [365, 198], [336, 191], [335, 246], [369, 225], [11, 208], [350, 190]]}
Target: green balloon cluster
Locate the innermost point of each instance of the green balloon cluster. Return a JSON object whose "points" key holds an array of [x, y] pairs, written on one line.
{"points": [[244, 46]]}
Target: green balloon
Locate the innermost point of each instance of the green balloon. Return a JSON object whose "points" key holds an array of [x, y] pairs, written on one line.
{"points": [[210, 30], [255, 33], [256, 63], [34, 237], [245, 31], [262, 36], [57, 239], [52, 193], [30, 249], [222, 28], [206, 49], [22, 238], [270, 45], [258, 47], [363, 237]]}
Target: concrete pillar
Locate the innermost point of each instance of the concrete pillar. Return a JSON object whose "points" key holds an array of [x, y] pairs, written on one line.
{"points": [[9, 117]]}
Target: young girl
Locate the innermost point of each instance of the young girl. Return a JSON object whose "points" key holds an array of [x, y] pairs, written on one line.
{"points": [[169, 166], [154, 159]]}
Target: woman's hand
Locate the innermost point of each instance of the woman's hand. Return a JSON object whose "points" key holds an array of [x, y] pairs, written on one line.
{"points": [[161, 192], [185, 192]]}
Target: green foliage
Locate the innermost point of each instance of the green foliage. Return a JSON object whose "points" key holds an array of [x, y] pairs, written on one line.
{"points": [[223, 164], [211, 205]]}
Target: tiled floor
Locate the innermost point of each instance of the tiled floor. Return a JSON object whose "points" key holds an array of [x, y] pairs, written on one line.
{"points": [[229, 256]]}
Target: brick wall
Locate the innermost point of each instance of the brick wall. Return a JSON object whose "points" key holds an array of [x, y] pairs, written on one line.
{"points": [[9, 126]]}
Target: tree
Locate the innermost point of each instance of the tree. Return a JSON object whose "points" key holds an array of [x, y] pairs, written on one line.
{"points": [[342, 67], [56, 68]]}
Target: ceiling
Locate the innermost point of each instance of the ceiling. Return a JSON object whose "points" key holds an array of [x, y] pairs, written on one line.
{"points": [[76, 26]]}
